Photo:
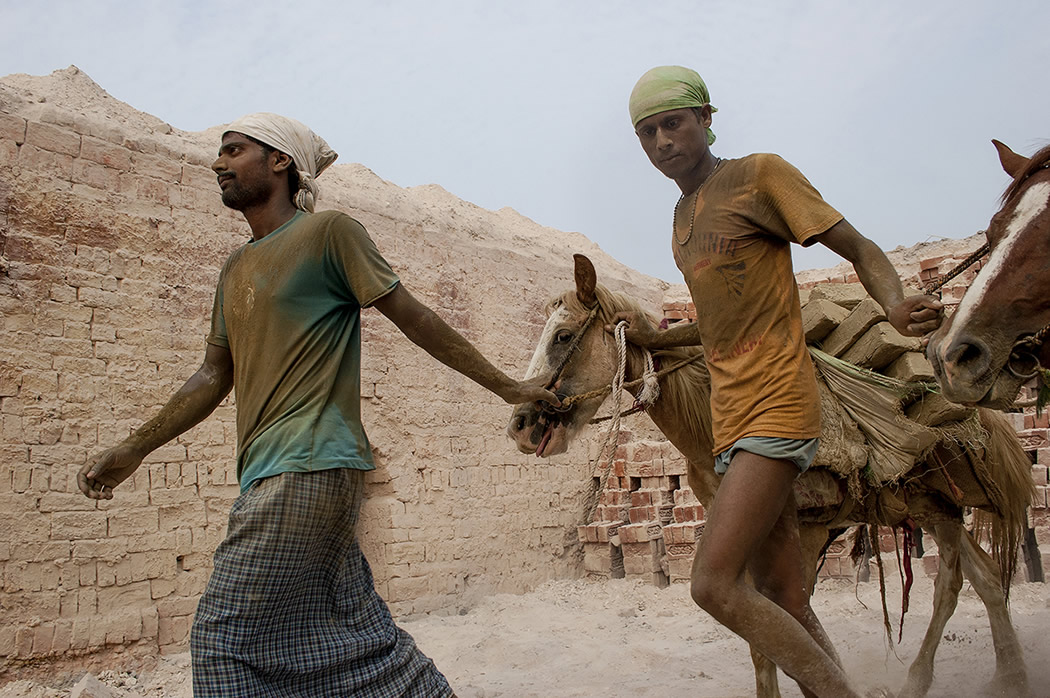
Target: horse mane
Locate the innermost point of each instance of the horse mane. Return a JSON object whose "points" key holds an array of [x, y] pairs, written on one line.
{"points": [[1036, 162], [688, 387]]}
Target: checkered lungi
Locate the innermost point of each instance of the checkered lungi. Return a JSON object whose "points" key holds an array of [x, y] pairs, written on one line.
{"points": [[291, 609]]}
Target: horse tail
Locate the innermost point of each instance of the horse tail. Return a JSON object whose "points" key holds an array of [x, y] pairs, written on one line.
{"points": [[1011, 490]]}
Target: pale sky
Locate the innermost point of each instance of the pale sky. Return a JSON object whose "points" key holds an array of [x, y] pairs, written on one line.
{"points": [[888, 107]]}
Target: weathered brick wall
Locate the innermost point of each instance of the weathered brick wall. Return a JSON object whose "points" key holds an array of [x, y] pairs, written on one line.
{"points": [[112, 234]]}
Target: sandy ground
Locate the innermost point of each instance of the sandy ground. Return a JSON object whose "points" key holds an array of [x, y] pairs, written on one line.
{"points": [[626, 638]]}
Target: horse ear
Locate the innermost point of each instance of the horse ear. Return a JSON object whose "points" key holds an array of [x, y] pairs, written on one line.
{"points": [[1012, 163], [586, 280]]}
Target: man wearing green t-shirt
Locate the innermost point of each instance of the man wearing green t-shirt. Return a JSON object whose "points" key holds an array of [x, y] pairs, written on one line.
{"points": [[732, 228], [290, 608]]}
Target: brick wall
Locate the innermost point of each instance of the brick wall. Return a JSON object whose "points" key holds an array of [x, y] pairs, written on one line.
{"points": [[112, 234]]}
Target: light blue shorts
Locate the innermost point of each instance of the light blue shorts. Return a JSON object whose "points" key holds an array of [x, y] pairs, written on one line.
{"points": [[799, 451]]}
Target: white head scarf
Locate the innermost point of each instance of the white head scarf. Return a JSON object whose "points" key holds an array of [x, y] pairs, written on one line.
{"points": [[308, 151]]}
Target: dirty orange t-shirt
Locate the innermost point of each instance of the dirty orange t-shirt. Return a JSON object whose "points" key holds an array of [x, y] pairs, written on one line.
{"points": [[737, 265]]}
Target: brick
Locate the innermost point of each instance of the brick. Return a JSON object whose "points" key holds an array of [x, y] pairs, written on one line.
{"points": [[53, 138], [932, 409], [70, 525], [603, 560], [157, 167], [684, 533], [144, 189], [680, 569], [616, 497], [1033, 439], [643, 514], [879, 346], [639, 533], [95, 175], [44, 163], [105, 153], [863, 316], [408, 587], [931, 263], [604, 531], [675, 465], [644, 468], [173, 631], [133, 522], [848, 295], [12, 128], [642, 559], [200, 178], [911, 366], [406, 552], [819, 317], [685, 513], [587, 534], [644, 498], [43, 635]]}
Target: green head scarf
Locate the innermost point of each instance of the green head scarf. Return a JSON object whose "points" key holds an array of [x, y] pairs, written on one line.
{"points": [[669, 87]]}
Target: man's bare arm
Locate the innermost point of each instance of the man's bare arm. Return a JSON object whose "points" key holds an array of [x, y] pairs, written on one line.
{"points": [[915, 315], [194, 401], [428, 331], [640, 332]]}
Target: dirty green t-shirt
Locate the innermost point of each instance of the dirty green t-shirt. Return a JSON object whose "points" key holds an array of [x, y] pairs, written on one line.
{"points": [[288, 307]]}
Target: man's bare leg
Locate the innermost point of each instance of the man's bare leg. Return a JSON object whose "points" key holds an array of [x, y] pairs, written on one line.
{"points": [[778, 572], [749, 504]]}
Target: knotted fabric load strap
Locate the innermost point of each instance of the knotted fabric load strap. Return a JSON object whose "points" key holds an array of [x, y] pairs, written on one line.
{"points": [[669, 87], [308, 151]]}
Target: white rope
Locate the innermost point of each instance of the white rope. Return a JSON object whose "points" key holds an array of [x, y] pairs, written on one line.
{"points": [[649, 394]]}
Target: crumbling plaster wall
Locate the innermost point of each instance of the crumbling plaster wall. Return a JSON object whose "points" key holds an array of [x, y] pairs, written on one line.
{"points": [[112, 234]]}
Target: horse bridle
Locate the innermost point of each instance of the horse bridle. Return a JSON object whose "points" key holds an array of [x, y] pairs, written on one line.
{"points": [[1023, 350], [566, 405]]}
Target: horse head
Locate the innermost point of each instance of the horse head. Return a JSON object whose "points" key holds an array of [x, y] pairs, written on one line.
{"points": [[578, 356], [979, 354]]}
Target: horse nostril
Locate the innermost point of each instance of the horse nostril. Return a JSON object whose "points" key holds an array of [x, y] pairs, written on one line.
{"points": [[965, 354], [519, 423]]}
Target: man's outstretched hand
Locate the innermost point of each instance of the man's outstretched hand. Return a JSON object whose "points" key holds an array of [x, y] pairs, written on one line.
{"points": [[916, 316], [107, 470], [531, 390], [639, 331]]}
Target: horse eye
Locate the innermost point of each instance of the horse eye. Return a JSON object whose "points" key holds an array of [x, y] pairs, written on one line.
{"points": [[563, 337]]}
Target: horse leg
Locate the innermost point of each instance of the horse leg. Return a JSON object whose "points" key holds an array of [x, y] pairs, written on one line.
{"points": [[766, 685], [1032, 559], [945, 598], [812, 538], [1011, 677]]}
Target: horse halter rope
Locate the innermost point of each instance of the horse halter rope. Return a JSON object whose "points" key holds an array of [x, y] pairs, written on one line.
{"points": [[549, 413], [546, 407]]}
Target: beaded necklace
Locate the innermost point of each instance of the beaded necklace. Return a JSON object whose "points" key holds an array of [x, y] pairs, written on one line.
{"points": [[692, 217]]}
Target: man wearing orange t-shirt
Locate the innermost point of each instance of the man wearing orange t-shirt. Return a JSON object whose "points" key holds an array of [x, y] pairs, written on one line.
{"points": [[733, 226]]}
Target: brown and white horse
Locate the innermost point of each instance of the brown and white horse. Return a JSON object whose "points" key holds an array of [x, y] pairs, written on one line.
{"points": [[575, 347], [982, 354]]}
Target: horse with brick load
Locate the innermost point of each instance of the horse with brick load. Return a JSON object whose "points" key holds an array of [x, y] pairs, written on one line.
{"points": [[979, 464]]}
